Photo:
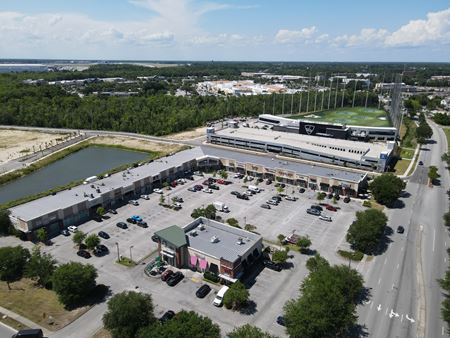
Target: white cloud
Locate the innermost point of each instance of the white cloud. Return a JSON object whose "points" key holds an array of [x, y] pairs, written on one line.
{"points": [[292, 36], [436, 28], [367, 36]]}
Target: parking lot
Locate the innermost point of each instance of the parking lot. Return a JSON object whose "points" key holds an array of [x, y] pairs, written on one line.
{"points": [[270, 289]]}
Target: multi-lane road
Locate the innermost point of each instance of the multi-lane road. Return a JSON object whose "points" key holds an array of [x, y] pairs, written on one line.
{"points": [[405, 295]]}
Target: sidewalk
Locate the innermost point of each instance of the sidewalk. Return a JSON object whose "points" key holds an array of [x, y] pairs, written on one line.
{"points": [[24, 321], [407, 173]]}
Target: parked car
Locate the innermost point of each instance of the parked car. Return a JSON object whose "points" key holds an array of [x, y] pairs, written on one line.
{"points": [[346, 199], [112, 211], [84, 254], [207, 190], [276, 198], [237, 175], [331, 208], [166, 274], [281, 321], [317, 207], [220, 181], [268, 182], [192, 189], [198, 187], [227, 182], [314, 212], [235, 193], [155, 238], [203, 291], [181, 181], [219, 297], [136, 218], [400, 229], [122, 225], [145, 197], [29, 333], [420, 163], [100, 250], [142, 224], [133, 202], [65, 232], [72, 228], [168, 315], [242, 196], [249, 193], [103, 235], [157, 191], [250, 178], [178, 199], [175, 278], [214, 186], [272, 265], [325, 218], [265, 206], [173, 184], [272, 202], [301, 190], [129, 220], [291, 198]]}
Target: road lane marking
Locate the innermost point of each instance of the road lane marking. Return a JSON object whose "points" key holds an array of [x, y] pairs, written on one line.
{"points": [[434, 238], [385, 260], [402, 248], [442, 330], [401, 319], [398, 265], [392, 314], [379, 281], [379, 308], [410, 319], [445, 259]]}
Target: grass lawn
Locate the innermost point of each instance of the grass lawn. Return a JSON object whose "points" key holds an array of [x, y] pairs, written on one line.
{"points": [[407, 153], [37, 304], [361, 116], [401, 166], [447, 133], [409, 137], [126, 262]]}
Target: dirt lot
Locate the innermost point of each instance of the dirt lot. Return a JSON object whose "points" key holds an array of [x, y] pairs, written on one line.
{"points": [[16, 143], [187, 135], [137, 144]]}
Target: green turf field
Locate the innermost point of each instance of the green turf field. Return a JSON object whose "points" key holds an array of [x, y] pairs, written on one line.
{"points": [[359, 116]]}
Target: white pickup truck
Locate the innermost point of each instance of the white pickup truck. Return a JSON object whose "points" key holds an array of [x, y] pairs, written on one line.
{"points": [[220, 206]]}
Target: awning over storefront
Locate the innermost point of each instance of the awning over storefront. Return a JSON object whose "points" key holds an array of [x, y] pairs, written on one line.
{"points": [[228, 278], [193, 260], [168, 254], [203, 264]]}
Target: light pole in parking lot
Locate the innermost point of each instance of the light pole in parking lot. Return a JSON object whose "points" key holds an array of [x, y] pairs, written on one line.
{"points": [[118, 255], [131, 256]]}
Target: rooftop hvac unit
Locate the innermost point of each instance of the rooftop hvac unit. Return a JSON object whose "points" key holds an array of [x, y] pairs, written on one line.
{"points": [[240, 241], [214, 239], [202, 227], [193, 233]]}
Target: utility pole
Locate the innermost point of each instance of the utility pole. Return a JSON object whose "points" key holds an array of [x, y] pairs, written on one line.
{"points": [[309, 89], [323, 95], [354, 94], [292, 102], [282, 106], [329, 93], [300, 102], [343, 93], [118, 254], [335, 94]]}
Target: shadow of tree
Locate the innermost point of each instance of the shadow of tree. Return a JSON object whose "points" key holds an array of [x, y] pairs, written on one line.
{"points": [[249, 309]]}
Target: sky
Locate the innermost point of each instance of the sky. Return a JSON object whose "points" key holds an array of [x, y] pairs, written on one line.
{"points": [[227, 30]]}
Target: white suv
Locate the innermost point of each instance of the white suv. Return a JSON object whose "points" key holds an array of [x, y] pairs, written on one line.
{"points": [[72, 228]]}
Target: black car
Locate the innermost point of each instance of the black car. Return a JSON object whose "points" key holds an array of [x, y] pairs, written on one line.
{"points": [[272, 265], [301, 190], [277, 198], [112, 211], [317, 207], [29, 333], [265, 206], [168, 315], [142, 224], [346, 199], [103, 235], [129, 220], [213, 186], [198, 187], [100, 250], [123, 225], [268, 182], [242, 197], [400, 229], [314, 212], [203, 291], [420, 163], [235, 193], [175, 278], [84, 254], [155, 238], [281, 321]]}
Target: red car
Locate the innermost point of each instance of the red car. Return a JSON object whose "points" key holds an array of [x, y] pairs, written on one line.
{"points": [[174, 184], [220, 181], [166, 274], [331, 208]]}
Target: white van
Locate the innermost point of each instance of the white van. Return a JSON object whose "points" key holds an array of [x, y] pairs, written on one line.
{"points": [[219, 297], [253, 188]]}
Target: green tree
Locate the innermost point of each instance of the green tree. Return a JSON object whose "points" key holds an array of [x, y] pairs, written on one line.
{"points": [[280, 256], [198, 212], [92, 241], [100, 211], [12, 263], [433, 174], [281, 238], [321, 196], [210, 211], [280, 189], [161, 199], [249, 331], [366, 232], [447, 219], [236, 297], [40, 267], [223, 174], [128, 312], [233, 222], [304, 243], [184, 324], [250, 227], [446, 158], [5, 222], [73, 282], [423, 132], [386, 188], [41, 235], [78, 237], [316, 262], [326, 307]]}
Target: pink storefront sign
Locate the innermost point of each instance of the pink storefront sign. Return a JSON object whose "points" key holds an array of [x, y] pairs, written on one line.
{"points": [[193, 260], [203, 264]]}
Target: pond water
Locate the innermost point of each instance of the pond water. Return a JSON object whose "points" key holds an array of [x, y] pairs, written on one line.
{"points": [[80, 165]]}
